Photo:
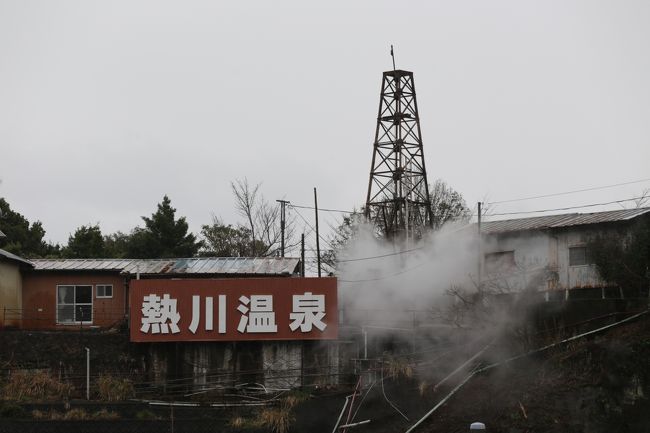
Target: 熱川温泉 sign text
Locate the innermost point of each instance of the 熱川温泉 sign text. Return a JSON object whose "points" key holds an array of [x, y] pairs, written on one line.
{"points": [[233, 309]]}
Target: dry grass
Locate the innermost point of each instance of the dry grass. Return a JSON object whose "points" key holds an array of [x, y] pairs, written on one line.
{"points": [[398, 367], [238, 422], [35, 386], [115, 389], [277, 420], [75, 415], [422, 387], [294, 398], [106, 414]]}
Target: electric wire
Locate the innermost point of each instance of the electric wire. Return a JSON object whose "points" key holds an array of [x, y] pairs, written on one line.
{"points": [[569, 192], [324, 209], [380, 256], [568, 207], [311, 227]]}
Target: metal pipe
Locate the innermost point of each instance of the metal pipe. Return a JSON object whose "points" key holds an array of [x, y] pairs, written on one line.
{"points": [[462, 366], [338, 421], [365, 343], [355, 424], [496, 364]]}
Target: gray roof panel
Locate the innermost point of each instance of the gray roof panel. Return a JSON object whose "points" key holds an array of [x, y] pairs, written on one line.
{"points": [[559, 221], [181, 266]]}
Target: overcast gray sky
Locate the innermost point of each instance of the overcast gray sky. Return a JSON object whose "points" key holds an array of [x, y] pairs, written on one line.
{"points": [[107, 106]]}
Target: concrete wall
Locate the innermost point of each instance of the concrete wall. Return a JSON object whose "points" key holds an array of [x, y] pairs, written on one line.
{"points": [[282, 364], [10, 293], [40, 303], [201, 367]]}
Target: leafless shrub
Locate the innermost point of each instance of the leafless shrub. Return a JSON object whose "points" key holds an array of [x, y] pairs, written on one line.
{"points": [[397, 367], [294, 398], [115, 389], [35, 386], [277, 420]]}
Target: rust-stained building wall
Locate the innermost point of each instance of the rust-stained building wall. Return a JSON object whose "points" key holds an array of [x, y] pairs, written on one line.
{"points": [[542, 258], [577, 276], [40, 298], [10, 293]]}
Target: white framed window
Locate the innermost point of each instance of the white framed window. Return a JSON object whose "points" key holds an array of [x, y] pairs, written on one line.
{"points": [[104, 290], [74, 304]]}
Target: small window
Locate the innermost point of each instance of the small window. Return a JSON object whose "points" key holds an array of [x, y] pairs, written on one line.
{"points": [[104, 290], [502, 261], [74, 304], [579, 256]]}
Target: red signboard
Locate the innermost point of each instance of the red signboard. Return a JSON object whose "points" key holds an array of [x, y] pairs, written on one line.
{"points": [[233, 309]]}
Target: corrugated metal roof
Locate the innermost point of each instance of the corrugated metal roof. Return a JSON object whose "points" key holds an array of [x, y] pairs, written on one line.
{"points": [[191, 266], [9, 256], [558, 221]]}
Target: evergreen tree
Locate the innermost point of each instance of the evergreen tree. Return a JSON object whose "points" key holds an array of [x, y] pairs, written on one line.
{"points": [[163, 236], [22, 238], [86, 242], [224, 240], [116, 245], [623, 257]]}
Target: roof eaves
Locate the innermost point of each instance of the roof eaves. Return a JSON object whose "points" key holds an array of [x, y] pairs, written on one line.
{"points": [[12, 257]]}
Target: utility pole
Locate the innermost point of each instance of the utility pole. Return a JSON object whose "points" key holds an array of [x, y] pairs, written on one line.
{"points": [[317, 233], [283, 204], [302, 255], [480, 255]]}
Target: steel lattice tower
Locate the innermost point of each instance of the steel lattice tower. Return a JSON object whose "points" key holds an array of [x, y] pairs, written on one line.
{"points": [[398, 194]]}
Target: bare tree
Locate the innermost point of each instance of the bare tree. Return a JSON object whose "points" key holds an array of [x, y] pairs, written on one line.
{"points": [[262, 219], [447, 204], [643, 199]]}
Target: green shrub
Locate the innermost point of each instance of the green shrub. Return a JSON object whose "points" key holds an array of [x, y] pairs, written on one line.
{"points": [[146, 414], [11, 410]]}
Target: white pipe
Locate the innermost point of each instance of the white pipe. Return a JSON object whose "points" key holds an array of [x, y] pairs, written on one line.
{"points": [[365, 343], [463, 365], [87, 373], [338, 421], [355, 424], [496, 364]]}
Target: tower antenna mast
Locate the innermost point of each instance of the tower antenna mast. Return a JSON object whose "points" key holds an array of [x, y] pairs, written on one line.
{"points": [[398, 201]]}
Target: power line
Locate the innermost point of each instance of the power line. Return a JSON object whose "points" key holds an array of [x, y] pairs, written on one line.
{"points": [[567, 208], [383, 255], [324, 209], [311, 227], [569, 192]]}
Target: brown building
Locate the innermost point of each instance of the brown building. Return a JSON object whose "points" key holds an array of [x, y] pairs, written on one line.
{"points": [[72, 293]]}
